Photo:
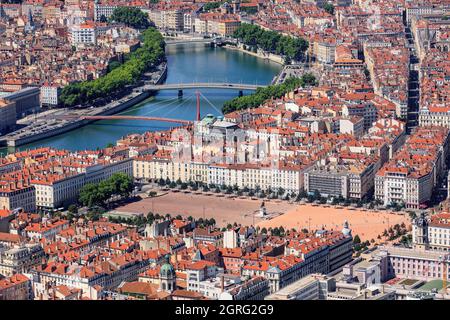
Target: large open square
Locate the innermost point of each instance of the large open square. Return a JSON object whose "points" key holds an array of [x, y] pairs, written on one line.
{"points": [[367, 224], [224, 210]]}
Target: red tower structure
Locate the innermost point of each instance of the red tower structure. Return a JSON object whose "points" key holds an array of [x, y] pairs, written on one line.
{"points": [[198, 105]]}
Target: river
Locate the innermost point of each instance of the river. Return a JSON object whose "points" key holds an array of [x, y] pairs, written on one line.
{"points": [[186, 63]]}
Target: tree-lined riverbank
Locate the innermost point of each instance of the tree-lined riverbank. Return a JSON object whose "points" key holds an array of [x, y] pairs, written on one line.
{"points": [[150, 54], [253, 37], [186, 63], [262, 94]]}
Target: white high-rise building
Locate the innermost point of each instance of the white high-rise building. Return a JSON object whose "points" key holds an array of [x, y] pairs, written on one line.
{"points": [[83, 34]]}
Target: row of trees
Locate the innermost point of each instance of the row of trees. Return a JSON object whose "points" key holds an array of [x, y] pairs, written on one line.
{"points": [[97, 194], [273, 91], [359, 246], [194, 186], [280, 231], [271, 41], [212, 6], [131, 17], [395, 232], [279, 193], [151, 217], [150, 54]]}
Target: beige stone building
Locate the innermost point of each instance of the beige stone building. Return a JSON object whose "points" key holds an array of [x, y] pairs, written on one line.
{"points": [[14, 197], [20, 260]]}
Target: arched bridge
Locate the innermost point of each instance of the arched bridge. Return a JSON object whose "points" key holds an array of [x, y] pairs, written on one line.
{"points": [[187, 41], [200, 85]]}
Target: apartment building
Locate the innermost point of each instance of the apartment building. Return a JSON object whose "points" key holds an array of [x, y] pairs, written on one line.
{"points": [[311, 287], [104, 168], [219, 24], [197, 272], [432, 233], [83, 34], [60, 189], [302, 258], [21, 259], [160, 166], [409, 178], [168, 19], [103, 10], [280, 272], [226, 27], [365, 110], [352, 125], [349, 180], [50, 94], [326, 51], [107, 274], [424, 8], [14, 196], [16, 287], [55, 191], [327, 182], [289, 178], [434, 116], [254, 289], [188, 21], [7, 166], [45, 230]]}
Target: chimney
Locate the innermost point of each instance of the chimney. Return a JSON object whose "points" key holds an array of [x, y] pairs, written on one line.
{"points": [[222, 283]]}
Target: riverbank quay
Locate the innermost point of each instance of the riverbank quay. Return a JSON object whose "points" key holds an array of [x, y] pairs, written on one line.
{"points": [[260, 53], [61, 121], [213, 64]]}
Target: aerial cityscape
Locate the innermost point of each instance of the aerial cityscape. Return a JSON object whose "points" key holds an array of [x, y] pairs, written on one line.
{"points": [[224, 150]]}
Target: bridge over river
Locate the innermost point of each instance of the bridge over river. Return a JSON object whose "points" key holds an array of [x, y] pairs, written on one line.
{"points": [[201, 85]]}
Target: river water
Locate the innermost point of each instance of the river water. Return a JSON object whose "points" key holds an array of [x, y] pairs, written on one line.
{"points": [[186, 63]]}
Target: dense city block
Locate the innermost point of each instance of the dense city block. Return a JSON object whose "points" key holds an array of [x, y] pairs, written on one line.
{"points": [[330, 182]]}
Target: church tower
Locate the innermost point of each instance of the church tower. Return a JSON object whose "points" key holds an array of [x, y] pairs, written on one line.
{"points": [[167, 276], [420, 232], [30, 23]]}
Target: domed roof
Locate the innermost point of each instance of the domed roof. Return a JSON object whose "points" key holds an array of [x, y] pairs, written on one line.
{"points": [[167, 270], [346, 230]]}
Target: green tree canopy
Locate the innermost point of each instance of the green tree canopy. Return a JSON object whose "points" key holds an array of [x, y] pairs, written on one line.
{"points": [[271, 41], [130, 16], [328, 7], [212, 6], [265, 93], [96, 194], [150, 53]]}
